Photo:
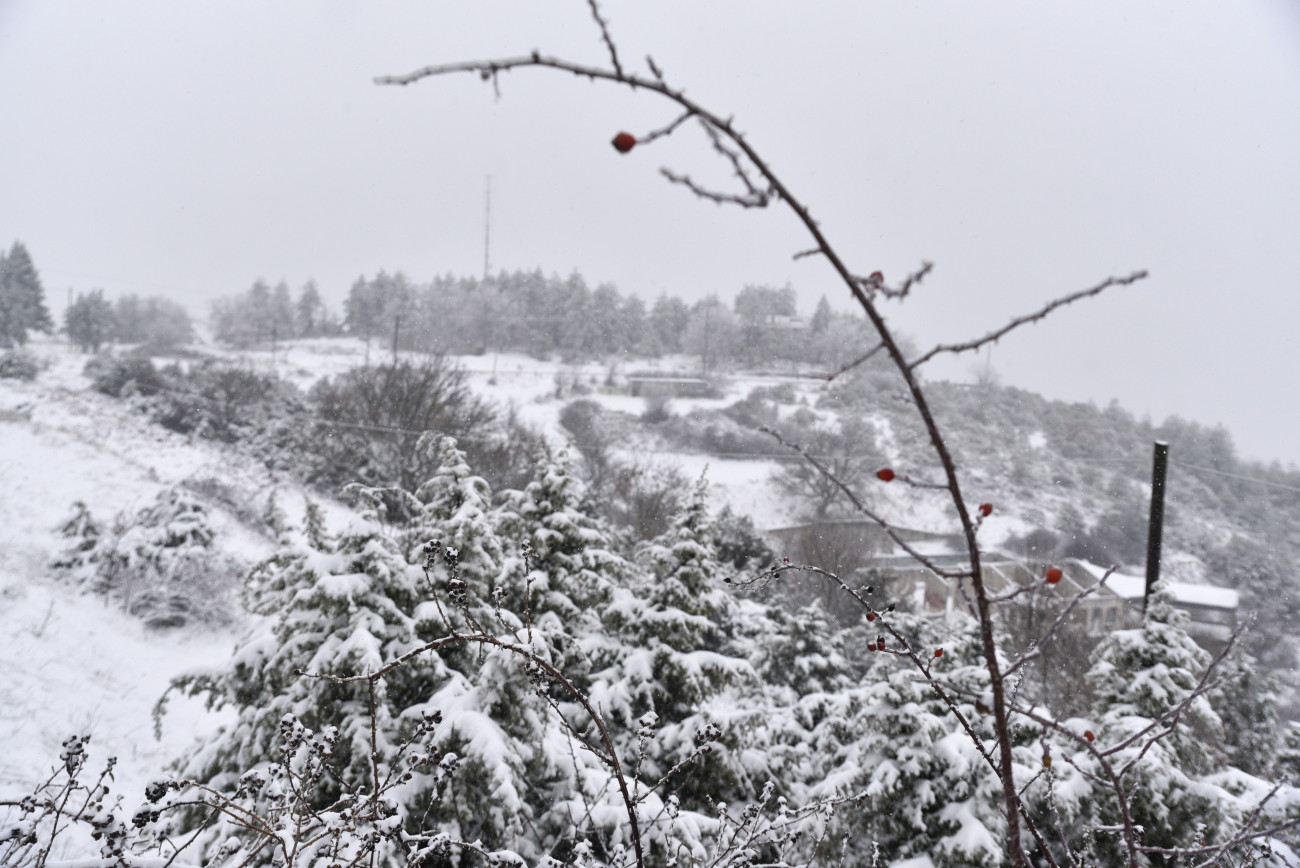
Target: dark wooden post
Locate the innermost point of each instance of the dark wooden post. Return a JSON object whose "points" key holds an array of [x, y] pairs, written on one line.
{"points": [[1160, 464]]}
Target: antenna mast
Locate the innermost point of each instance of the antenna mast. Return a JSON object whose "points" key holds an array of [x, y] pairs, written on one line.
{"points": [[487, 230]]}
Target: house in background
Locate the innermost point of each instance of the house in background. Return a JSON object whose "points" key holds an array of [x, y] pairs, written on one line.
{"points": [[668, 387], [854, 548]]}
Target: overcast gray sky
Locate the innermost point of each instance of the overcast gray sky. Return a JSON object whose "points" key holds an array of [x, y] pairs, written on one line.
{"points": [[1027, 149]]}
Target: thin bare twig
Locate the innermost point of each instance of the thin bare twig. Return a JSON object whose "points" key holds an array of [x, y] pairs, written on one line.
{"points": [[749, 200], [860, 360], [1055, 625], [666, 130], [862, 508], [604, 34], [994, 336]]}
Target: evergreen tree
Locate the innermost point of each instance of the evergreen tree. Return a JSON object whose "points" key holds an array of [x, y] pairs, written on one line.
{"points": [[156, 321], [350, 605], [22, 298], [309, 311], [89, 321], [877, 731], [668, 320], [1247, 704], [572, 562], [821, 320], [1140, 677]]}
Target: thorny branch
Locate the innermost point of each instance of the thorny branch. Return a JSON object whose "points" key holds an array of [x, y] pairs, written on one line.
{"points": [[994, 336], [860, 360]]}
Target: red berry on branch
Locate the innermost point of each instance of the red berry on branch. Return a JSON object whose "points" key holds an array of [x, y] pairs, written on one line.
{"points": [[871, 616], [624, 142], [871, 646], [880, 643], [1053, 576], [877, 278], [885, 474], [785, 560], [1087, 733], [986, 509], [938, 652]]}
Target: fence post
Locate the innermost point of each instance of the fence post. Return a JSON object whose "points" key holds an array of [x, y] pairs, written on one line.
{"points": [[1160, 465]]}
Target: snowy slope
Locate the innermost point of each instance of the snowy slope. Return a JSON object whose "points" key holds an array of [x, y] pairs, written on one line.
{"points": [[71, 664]]}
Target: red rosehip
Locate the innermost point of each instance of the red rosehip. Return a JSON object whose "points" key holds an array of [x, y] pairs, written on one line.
{"points": [[1053, 576], [880, 643], [876, 278], [1087, 733], [938, 652], [871, 646], [986, 509], [785, 560], [885, 474], [624, 142], [871, 616]]}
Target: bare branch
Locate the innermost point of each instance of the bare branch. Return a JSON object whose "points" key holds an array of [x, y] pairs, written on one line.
{"points": [[1055, 625], [664, 131], [994, 336], [862, 359], [862, 508], [912, 279], [751, 200], [732, 157], [604, 34]]}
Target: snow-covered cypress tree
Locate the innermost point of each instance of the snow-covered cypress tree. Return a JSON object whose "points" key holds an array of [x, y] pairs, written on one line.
{"points": [[683, 662], [349, 605], [1246, 703], [493, 717], [22, 298], [1139, 677], [923, 789], [324, 606], [571, 550]]}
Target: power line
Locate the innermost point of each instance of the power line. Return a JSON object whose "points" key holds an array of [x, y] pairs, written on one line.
{"points": [[1236, 476]]}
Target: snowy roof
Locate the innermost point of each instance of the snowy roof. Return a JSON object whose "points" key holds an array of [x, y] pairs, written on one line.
{"points": [[1134, 587]]}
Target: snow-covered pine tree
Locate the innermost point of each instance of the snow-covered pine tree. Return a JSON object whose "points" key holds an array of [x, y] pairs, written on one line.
{"points": [[22, 298], [922, 788], [685, 663], [322, 606], [1145, 680], [1246, 702], [513, 770], [350, 605]]}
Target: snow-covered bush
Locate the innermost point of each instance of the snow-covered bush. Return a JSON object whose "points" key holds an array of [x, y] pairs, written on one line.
{"points": [[158, 563], [18, 365]]}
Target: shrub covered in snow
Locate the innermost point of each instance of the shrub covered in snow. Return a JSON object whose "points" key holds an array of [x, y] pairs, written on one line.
{"points": [[158, 563]]}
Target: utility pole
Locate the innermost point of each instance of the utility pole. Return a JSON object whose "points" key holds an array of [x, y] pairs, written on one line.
{"points": [[1160, 464], [397, 330]]}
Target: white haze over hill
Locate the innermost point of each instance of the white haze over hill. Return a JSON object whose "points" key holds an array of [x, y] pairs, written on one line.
{"points": [[1028, 152]]}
